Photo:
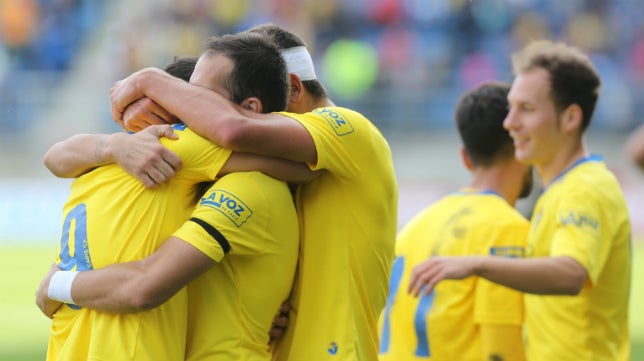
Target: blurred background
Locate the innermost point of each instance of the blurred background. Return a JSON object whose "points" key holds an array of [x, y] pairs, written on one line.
{"points": [[403, 63]]}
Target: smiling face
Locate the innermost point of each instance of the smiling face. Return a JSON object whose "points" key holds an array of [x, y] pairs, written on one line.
{"points": [[532, 120]]}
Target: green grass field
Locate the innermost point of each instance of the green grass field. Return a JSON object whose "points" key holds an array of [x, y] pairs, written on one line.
{"points": [[23, 336]]}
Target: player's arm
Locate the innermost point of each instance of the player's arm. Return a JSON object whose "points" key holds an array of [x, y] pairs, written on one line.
{"points": [[215, 117], [127, 287], [635, 147], [560, 275], [286, 170], [140, 154], [502, 342]]}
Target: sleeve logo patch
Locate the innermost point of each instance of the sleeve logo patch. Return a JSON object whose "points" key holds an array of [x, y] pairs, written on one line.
{"points": [[579, 220], [340, 125], [509, 251], [228, 205]]}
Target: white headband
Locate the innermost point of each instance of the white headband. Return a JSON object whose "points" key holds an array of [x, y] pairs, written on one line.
{"points": [[299, 62]]}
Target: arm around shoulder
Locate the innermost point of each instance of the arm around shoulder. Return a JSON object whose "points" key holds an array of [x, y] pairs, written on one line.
{"points": [[560, 275], [273, 134], [76, 155]]}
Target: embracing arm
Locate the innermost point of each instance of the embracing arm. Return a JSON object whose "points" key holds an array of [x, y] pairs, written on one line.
{"points": [[77, 155], [545, 275], [215, 117], [286, 170], [140, 154], [135, 286]]}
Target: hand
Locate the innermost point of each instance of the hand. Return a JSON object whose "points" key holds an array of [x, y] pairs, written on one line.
{"points": [[426, 275], [47, 306], [143, 156], [280, 322], [145, 112], [127, 91]]}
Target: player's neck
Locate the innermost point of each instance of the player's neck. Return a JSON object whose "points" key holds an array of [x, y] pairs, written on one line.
{"points": [[498, 180], [563, 159]]}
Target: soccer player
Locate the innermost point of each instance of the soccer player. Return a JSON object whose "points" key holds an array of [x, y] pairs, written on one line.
{"points": [[111, 217], [348, 214], [577, 272], [635, 147], [473, 319]]}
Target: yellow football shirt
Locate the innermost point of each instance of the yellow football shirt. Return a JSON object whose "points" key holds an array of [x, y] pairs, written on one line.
{"points": [[582, 214], [348, 221], [111, 217], [446, 324], [248, 224]]}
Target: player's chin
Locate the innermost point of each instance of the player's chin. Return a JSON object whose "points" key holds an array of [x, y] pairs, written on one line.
{"points": [[522, 154]]}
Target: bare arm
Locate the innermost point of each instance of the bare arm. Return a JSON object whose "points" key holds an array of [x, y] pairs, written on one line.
{"points": [[635, 147], [77, 155], [215, 117], [140, 154], [546, 275], [135, 286], [278, 168]]}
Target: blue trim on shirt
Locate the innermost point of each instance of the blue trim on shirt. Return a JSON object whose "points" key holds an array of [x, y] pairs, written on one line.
{"points": [[590, 158]]}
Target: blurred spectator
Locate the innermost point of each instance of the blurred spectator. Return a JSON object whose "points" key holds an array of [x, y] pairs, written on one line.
{"points": [[433, 49]]}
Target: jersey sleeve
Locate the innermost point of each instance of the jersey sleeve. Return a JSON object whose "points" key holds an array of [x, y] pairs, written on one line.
{"points": [[342, 139], [201, 159], [231, 216], [579, 231]]}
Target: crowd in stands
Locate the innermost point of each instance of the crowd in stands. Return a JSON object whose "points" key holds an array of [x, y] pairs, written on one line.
{"points": [[402, 62]]}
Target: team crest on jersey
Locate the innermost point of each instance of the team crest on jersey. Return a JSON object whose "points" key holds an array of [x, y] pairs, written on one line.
{"points": [[229, 205], [333, 348], [508, 251], [339, 124]]}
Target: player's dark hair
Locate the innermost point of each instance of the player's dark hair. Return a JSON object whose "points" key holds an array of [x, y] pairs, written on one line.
{"points": [[573, 78], [182, 67], [479, 119], [258, 69], [286, 40]]}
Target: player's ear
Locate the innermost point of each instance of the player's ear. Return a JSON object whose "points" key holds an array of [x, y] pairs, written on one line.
{"points": [[466, 159], [253, 104], [296, 90], [571, 117]]}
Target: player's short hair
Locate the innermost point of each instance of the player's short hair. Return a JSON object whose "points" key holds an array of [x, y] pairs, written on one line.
{"points": [[479, 117], [285, 39], [258, 69], [573, 78], [182, 67]]}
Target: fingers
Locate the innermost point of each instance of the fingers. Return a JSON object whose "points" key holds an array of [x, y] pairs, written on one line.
{"points": [[116, 111], [165, 131], [143, 156], [285, 307], [423, 278], [158, 173], [280, 322], [144, 113]]}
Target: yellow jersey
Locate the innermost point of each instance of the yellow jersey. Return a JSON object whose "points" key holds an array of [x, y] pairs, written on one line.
{"points": [[582, 214], [247, 223], [348, 222], [111, 217], [446, 324]]}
